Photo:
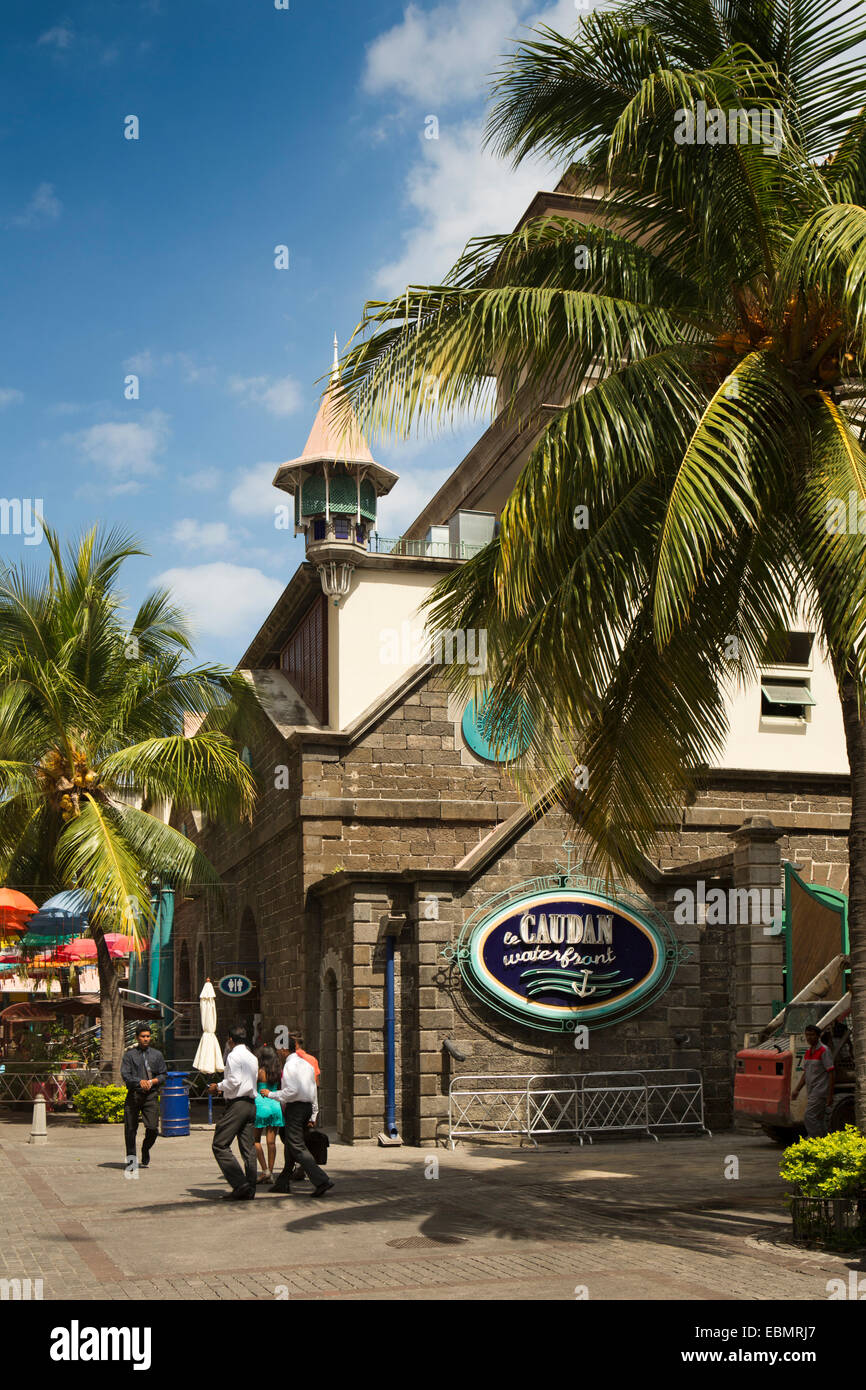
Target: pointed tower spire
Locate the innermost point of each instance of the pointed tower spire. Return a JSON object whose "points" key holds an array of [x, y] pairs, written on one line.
{"points": [[336, 435], [336, 484]]}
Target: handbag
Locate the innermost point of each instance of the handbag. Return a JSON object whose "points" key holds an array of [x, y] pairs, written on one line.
{"points": [[317, 1142]]}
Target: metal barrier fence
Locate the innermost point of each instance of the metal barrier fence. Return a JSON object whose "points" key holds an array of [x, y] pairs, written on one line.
{"points": [[581, 1105], [22, 1086], [58, 1087]]}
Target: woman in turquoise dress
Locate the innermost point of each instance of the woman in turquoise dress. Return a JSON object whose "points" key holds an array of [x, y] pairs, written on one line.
{"points": [[269, 1113]]}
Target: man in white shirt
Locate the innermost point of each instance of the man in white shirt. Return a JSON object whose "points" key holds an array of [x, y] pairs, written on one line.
{"points": [[239, 1119], [299, 1099]]}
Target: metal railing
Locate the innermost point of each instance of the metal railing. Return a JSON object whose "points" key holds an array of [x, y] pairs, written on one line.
{"points": [[580, 1105], [489, 1111], [22, 1086], [56, 1085], [436, 550]]}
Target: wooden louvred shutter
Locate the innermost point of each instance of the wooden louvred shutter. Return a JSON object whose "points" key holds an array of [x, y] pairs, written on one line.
{"points": [[305, 658]]}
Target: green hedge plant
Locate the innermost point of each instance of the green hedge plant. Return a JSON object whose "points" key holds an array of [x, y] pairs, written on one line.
{"points": [[100, 1105], [831, 1166]]}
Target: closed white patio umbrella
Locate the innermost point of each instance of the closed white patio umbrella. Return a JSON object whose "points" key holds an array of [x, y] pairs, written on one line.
{"points": [[209, 1057]]}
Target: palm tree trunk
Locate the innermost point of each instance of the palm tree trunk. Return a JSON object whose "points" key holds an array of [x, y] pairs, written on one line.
{"points": [[111, 1011], [855, 737]]}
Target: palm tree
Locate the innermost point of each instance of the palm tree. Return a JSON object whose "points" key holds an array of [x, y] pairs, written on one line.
{"points": [[92, 745], [707, 352]]}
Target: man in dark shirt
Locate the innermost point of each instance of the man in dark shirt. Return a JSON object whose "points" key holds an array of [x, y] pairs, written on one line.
{"points": [[143, 1071]]}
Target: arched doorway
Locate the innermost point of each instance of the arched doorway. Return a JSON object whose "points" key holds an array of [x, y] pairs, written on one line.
{"points": [[247, 963], [329, 1058], [184, 976], [199, 968], [187, 1018]]}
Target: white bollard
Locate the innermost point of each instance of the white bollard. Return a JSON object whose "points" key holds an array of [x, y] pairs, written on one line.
{"points": [[39, 1132]]}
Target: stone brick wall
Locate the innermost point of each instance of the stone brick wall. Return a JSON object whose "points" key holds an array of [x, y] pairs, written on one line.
{"points": [[341, 849], [260, 870]]}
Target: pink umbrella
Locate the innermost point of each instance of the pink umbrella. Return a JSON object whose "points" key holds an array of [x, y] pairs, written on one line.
{"points": [[83, 948]]}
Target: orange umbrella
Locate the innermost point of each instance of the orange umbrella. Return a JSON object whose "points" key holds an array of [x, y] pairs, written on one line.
{"points": [[15, 911]]}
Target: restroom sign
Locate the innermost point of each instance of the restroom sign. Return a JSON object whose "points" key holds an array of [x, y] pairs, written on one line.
{"points": [[235, 985]]}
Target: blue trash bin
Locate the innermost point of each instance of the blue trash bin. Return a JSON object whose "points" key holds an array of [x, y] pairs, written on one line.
{"points": [[175, 1106]]}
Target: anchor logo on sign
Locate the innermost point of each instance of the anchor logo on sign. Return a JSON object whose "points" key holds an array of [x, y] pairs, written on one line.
{"points": [[583, 987]]}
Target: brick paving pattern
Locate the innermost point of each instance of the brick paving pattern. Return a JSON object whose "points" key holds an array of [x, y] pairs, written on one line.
{"points": [[620, 1221]]}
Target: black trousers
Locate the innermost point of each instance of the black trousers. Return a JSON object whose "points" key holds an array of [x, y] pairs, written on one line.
{"points": [[296, 1113], [141, 1105], [237, 1122]]}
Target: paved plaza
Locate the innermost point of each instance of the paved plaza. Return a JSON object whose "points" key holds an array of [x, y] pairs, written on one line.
{"points": [[623, 1220]]}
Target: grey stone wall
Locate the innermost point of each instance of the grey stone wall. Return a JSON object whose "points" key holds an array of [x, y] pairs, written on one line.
{"points": [[323, 869]]}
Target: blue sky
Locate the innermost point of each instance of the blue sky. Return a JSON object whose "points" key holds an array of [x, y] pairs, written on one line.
{"points": [[155, 256]]}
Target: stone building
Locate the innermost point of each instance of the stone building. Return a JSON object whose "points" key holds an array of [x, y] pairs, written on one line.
{"points": [[385, 821]]}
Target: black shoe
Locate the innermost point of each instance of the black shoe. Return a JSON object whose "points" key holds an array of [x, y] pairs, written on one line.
{"points": [[323, 1188], [239, 1194], [298, 1174], [144, 1161]]}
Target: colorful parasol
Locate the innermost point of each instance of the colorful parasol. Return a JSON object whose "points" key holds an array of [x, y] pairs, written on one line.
{"points": [[15, 910], [83, 948], [67, 914]]}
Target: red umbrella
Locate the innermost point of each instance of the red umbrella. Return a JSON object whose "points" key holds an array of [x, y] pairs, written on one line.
{"points": [[15, 910], [83, 948]]}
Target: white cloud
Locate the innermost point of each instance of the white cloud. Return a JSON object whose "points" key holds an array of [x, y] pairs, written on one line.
{"points": [[60, 36], [43, 207], [278, 395], [439, 62], [93, 493], [70, 408], [130, 448], [457, 190], [202, 480], [192, 372], [254, 494], [9, 396], [222, 599], [88, 48], [409, 497], [450, 52], [140, 362], [145, 364], [201, 535]]}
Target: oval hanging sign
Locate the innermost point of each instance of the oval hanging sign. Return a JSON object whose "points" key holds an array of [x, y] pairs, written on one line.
{"points": [[562, 958], [235, 985]]}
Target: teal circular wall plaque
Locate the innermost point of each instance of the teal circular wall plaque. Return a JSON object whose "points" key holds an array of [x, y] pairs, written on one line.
{"points": [[476, 735]]}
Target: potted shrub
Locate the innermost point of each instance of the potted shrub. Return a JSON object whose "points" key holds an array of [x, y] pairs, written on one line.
{"points": [[830, 1176]]}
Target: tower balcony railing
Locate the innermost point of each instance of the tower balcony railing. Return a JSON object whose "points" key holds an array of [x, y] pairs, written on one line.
{"points": [[435, 550]]}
